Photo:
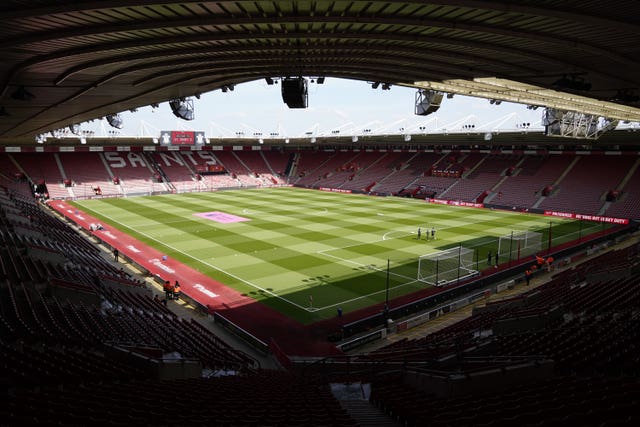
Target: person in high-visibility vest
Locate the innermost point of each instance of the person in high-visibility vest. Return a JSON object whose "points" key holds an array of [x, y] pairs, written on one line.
{"points": [[176, 291], [527, 275]]}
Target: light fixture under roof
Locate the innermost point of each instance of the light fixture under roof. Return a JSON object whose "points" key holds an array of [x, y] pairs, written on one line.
{"points": [[74, 128], [182, 108], [115, 121]]}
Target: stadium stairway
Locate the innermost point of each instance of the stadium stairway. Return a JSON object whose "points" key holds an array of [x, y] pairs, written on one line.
{"points": [[354, 398]]}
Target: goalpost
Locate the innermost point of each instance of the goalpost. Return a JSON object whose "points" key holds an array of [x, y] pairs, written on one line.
{"points": [[519, 245], [448, 266]]}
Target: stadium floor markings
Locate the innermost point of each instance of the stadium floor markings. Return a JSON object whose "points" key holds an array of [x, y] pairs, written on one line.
{"points": [[361, 297], [369, 266], [240, 279], [385, 236]]}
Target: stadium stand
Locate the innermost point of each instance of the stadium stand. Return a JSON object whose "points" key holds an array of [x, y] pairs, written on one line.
{"points": [[256, 161], [560, 353], [237, 168], [177, 170], [407, 171], [356, 164], [378, 169], [336, 165], [89, 175], [481, 179], [69, 316], [519, 181], [134, 173], [627, 205], [279, 163], [525, 187], [582, 190], [48, 172]]}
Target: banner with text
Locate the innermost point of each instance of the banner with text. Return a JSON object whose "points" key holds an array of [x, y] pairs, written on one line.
{"points": [[334, 190], [595, 218], [456, 203]]}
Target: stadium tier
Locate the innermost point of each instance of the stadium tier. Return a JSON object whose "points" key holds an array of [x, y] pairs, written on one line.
{"points": [[551, 182]]}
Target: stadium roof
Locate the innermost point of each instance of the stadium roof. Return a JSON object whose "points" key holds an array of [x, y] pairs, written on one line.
{"points": [[68, 62]]}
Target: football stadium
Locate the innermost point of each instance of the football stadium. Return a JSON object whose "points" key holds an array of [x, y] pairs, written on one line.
{"points": [[477, 276]]}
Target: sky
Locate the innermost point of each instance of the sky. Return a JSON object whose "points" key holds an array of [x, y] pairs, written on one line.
{"points": [[256, 109]]}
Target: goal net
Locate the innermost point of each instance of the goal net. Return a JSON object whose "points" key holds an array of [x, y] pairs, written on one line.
{"points": [[451, 265], [519, 245]]}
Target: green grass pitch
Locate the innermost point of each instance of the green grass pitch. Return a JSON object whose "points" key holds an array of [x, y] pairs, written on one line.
{"points": [[300, 243]]}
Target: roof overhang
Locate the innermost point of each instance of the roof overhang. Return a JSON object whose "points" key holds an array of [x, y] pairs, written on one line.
{"points": [[522, 93]]}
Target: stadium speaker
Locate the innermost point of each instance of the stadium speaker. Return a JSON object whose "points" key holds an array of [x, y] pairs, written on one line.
{"points": [[294, 92], [427, 102]]}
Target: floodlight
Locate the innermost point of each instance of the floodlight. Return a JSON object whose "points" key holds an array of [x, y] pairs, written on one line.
{"points": [[74, 128], [182, 108], [427, 101], [115, 121]]}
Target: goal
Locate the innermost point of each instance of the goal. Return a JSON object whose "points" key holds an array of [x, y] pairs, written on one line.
{"points": [[519, 245], [448, 266]]}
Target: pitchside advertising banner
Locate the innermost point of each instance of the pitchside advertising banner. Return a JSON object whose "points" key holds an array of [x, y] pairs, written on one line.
{"points": [[181, 137], [595, 218], [334, 190], [571, 215], [455, 203]]}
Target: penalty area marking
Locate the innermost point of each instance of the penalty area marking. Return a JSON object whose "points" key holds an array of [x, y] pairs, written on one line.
{"points": [[369, 266]]}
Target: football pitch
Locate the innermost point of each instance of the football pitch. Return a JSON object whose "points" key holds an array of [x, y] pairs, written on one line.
{"points": [[306, 252]]}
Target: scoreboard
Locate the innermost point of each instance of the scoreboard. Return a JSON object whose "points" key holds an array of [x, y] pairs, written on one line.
{"points": [[181, 137]]}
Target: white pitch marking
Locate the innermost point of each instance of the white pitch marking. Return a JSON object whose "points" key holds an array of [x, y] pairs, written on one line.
{"points": [[212, 266]]}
